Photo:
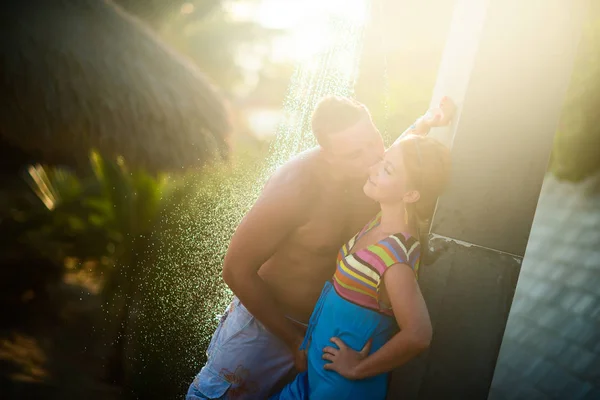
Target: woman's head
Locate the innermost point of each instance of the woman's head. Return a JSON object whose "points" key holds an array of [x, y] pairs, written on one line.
{"points": [[414, 171]]}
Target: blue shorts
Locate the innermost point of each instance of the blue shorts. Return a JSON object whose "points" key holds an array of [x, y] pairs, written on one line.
{"points": [[245, 361]]}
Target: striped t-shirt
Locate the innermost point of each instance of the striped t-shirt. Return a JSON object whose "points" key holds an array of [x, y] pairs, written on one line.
{"points": [[359, 274]]}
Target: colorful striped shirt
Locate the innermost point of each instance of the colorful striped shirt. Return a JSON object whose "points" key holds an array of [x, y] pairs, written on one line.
{"points": [[359, 274]]}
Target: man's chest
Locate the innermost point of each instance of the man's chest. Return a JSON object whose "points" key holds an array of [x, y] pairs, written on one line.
{"points": [[329, 226]]}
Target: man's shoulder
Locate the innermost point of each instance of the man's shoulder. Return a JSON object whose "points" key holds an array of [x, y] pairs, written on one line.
{"points": [[291, 190], [298, 174]]}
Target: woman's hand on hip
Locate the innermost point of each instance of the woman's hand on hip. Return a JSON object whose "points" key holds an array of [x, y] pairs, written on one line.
{"points": [[344, 360]]}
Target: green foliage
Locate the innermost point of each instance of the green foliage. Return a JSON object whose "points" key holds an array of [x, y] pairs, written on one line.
{"points": [[131, 200], [166, 238], [86, 217], [58, 216], [111, 212], [68, 219], [204, 32]]}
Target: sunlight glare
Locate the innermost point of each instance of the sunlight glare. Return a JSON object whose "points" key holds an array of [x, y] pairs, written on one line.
{"points": [[187, 8], [310, 24]]}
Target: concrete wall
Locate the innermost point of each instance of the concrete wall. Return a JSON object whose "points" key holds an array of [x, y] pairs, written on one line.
{"points": [[509, 84], [512, 99]]}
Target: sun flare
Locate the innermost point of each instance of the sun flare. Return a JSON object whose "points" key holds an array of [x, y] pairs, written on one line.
{"points": [[311, 25]]}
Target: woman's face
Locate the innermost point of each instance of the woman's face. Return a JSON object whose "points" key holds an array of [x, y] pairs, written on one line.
{"points": [[388, 181]]}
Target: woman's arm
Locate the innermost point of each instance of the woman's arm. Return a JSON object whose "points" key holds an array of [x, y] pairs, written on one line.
{"points": [[415, 333], [412, 316], [434, 117]]}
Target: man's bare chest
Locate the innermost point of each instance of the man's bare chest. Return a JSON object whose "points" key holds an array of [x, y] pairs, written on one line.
{"points": [[329, 226]]}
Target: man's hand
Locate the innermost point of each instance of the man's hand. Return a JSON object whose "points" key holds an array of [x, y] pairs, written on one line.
{"points": [[294, 344], [300, 360], [345, 360]]}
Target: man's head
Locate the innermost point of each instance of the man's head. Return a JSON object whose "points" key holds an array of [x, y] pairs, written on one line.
{"points": [[345, 131]]}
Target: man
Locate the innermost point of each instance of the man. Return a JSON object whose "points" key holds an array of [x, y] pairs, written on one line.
{"points": [[285, 249]]}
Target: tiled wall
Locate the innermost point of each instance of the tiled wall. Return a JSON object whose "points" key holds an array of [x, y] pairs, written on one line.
{"points": [[551, 346]]}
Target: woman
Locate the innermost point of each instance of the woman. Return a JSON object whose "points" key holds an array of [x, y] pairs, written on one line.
{"points": [[353, 340]]}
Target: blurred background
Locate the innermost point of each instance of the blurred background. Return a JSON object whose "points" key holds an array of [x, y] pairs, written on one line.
{"points": [[132, 137]]}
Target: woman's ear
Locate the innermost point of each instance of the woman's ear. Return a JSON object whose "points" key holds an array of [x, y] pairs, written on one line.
{"points": [[412, 196]]}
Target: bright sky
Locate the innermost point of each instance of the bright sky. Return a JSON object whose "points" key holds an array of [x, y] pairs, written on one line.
{"points": [[306, 20], [310, 32]]}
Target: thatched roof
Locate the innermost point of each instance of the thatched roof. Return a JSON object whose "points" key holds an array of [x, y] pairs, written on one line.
{"points": [[76, 74]]}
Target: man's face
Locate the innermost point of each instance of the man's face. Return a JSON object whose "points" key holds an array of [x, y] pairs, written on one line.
{"points": [[353, 150]]}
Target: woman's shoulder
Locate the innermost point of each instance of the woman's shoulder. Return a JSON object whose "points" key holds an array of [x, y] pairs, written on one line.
{"points": [[402, 248]]}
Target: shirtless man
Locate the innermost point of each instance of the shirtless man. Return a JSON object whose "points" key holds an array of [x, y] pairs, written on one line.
{"points": [[285, 249]]}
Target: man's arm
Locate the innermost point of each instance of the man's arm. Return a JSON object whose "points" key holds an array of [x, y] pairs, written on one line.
{"points": [[278, 211]]}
